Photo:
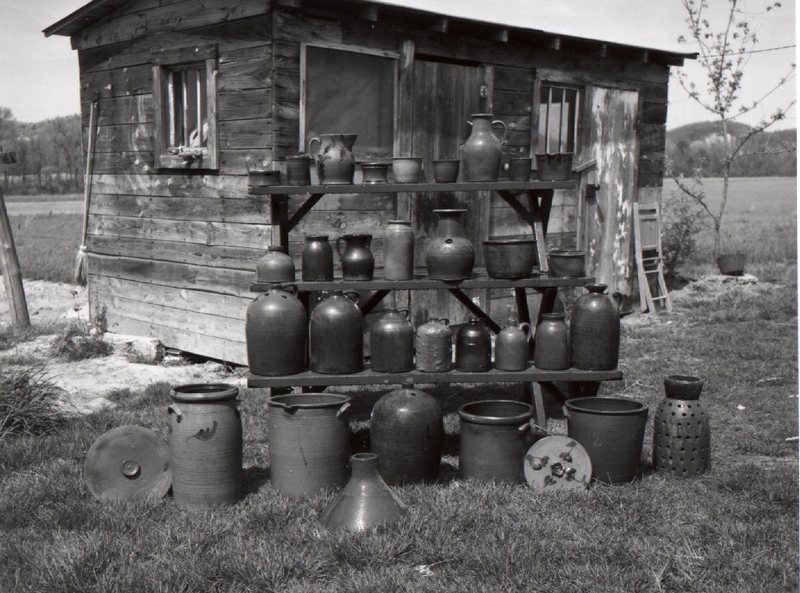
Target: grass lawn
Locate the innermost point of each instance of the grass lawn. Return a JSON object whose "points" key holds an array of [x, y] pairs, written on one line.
{"points": [[47, 245], [733, 529]]}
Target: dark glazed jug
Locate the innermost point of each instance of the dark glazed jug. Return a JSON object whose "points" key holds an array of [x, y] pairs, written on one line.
{"points": [[398, 250], [336, 336], [474, 347], [391, 343], [450, 254], [406, 432], [551, 346], [317, 259], [335, 161], [594, 331], [481, 153], [276, 329], [512, 346], [276, 266], [681, 429], [357, 260]]}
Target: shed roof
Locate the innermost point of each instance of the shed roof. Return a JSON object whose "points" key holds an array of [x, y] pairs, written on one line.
{"points": [[96, 9]]}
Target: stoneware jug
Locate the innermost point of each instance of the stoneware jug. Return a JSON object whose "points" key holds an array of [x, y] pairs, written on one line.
{"points": [[398, 250], [336, 336], [276, 330], [357, 260], [595, 330], [335, 161], [512, 346], [474, 347], [681, 429], [309, 442], [317, 259], [434, 346], [449, 255], [551, 350], [275, 266], [205, 445], [391, 343], [482, 152], [406, 432]]}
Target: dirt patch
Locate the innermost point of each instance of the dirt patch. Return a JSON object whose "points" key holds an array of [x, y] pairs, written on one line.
{"points": [[87, 382]]}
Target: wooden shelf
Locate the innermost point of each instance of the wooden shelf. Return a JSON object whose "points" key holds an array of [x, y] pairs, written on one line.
{"points": [[370, 377], [422, 282], [378, 188]]}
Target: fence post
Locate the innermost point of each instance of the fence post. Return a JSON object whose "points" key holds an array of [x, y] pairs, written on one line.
{"points": [[12, 276]]}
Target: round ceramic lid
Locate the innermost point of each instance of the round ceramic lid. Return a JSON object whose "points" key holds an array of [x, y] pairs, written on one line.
{"points": [[557, 463], [128, 463]]}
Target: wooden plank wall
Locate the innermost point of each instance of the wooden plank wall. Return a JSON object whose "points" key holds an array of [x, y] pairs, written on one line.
{"points": [[172, 254]]}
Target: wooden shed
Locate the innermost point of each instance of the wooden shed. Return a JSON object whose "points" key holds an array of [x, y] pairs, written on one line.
{"points": [[192, 94]]}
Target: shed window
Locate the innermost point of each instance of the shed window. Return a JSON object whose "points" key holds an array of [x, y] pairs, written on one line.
{"points": [[351, 92], [558, 119], [185, 100]]}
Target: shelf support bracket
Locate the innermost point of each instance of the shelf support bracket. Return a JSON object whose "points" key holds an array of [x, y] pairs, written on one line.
{"points": [[474, 309], [310, 202]]}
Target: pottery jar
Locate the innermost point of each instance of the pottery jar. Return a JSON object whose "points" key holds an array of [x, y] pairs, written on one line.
{"points": [[317, 259], [336, 336], [493, 439], [482, 152], [275, 267], [407, 169], [449, 255], [445, 170], [509, 258], [681, 429], [519, 169], [595, 330], [512, 346], [276, 329], [335, 161], [398, 250], [406, 432], [434, 346], [551, 346], [474, 347], [372, 173], [357, 260], [297, 170], [366, 501], [205, 445], [309, 442], [391, 343]]}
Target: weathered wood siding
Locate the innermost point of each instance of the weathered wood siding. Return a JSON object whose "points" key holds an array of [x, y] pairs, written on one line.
{"points": [[172, 254]]}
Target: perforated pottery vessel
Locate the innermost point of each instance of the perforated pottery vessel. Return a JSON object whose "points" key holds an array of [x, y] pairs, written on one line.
{"points": [[681, 433]]}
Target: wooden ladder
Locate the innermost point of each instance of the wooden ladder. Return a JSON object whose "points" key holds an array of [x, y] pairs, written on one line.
{"points": [[647, 232]]}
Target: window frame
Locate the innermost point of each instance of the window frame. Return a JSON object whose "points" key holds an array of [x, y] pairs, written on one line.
{"points": [[168, 61], [579, 102], [303, 112]]}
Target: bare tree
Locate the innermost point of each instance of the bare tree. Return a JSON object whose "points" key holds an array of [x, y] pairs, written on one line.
{"points": [[723, 54]]}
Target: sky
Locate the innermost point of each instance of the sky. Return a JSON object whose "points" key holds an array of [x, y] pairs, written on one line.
{"points": [[39, 76]]}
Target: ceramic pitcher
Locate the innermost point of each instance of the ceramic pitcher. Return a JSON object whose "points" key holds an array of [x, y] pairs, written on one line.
{"points": [[335, 161]]}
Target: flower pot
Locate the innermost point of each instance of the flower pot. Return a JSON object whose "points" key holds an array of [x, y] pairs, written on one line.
{"points": [[554, 167], [509, 258], [731, 264], [519, 169], [445, 170], [407, 169], [372, 173]]}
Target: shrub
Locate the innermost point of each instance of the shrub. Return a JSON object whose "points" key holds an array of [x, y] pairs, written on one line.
{"points": [[29, 403], [681, 221], [79, 341]]}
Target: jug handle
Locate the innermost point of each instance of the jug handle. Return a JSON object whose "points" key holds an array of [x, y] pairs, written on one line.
{"points": [[565, 411], [174, 409], [406, 313], [311, 141], [343, 409], [505, 129], [445, 320], [523, 428], [339, 245], [526, 328]]}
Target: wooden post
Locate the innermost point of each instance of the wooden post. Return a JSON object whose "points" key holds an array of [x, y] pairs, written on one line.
{"points": [[12, 277]]}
